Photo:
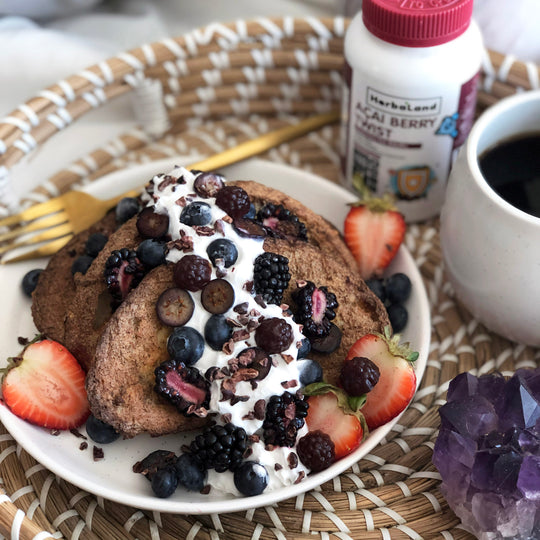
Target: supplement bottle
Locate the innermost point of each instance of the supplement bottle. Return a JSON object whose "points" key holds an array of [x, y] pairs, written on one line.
{"points": [[411, 72]]}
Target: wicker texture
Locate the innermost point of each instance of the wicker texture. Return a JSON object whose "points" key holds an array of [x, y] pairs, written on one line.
{"points": [[224, 84]]}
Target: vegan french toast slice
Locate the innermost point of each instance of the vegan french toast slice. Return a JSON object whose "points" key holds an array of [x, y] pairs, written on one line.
{"points": [[121, 380]]}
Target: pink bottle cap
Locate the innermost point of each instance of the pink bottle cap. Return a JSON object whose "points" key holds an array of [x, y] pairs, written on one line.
{"points": [[417, 23]]}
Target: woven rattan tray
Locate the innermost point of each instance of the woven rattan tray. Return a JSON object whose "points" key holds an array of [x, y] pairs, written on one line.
{"points": [[221, 85]]}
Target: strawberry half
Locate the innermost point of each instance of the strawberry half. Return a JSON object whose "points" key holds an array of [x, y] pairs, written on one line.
{"points": [[373, 232], [45, 386], [329, 413], [397, 381]]}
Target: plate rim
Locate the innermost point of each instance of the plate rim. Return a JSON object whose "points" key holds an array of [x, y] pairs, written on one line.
{"points": [[226, 505]]}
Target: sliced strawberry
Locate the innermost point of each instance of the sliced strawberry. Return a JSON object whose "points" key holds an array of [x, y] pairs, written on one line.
{"points": [[327, 415], [397, 381], [373, 232], [46, 387]]}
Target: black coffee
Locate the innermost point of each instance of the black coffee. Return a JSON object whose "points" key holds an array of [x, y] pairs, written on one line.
{"points": [[512, 169]]}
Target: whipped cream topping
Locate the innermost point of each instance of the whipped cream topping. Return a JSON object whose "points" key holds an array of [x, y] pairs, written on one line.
{"points": [[167, 196]]}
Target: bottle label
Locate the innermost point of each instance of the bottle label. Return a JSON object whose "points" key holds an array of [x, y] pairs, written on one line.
{"points": [[405, 144]]}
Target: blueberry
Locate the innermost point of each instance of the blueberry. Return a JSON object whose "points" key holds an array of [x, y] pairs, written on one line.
{"points": [[197, 213], [398, 315], [151, 252], [252, 212], [164, 482], [222, 249], [310, 372], [398, 288], [95, 243], [81, 264], [126, 209], [377, 288], [185, 344], [217, 332], [100, 431], [251, 478], [189, 474], [30, 280], [304, 349]]}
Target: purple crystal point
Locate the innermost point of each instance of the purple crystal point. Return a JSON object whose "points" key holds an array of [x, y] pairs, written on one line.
{"points": [[520, 408], [472, 416], [462, 386], [529, 478]]}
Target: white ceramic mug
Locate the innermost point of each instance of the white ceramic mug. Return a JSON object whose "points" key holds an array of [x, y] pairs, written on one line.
{"points": [[491, 249]]}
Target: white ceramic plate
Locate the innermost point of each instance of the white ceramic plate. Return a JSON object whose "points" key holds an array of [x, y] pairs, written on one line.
{"points": [[112, 477]]}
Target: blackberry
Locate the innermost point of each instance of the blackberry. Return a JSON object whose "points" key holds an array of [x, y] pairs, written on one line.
{"points": [[192, 272], [271, 276], [316, 451], [220, 447], [314, 309], [274, 335], [233, 200], [281, 223], [284, 417], [123, 272], [183, 386], [358, 376]]}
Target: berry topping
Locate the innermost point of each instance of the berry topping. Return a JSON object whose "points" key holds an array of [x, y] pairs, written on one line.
{"points": [[196, 213], [99, 431], [95, 243], [123, 272], [217, 296], [174, 307], [233, 200], [151, 224], [251, 478], [217, 332], [310, 372], [81, 264], [155, 461], [192, 272], [164, 482], [285, 415], [328, 344], [397, 381], [224, 250], [358, 376], [373, 231], [207, 184], [151, 252], [185, 345], [274, 335], [248, 228], [126, 209], [189, 472], [271, 276], [29, 281], [398, 288], [316, 451], [280, 222], [314, 309], [45, 386], [304, 349], [184, 386], [398, 315], [220, 447], [344, 429]]}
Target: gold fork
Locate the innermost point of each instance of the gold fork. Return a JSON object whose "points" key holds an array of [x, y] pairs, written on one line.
{"points": [[54, 222]]}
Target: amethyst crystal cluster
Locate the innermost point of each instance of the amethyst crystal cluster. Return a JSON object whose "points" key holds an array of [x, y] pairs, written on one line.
{"points": [[488, 454]]}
